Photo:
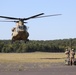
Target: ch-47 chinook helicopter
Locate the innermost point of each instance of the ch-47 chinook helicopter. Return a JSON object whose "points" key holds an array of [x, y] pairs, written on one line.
{"points": [[20, 31]]}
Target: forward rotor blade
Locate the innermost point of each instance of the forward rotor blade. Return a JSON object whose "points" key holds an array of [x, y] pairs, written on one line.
{"points": [[49, 15], [21, 18], [11, 21], [8, 21], [9, 17], [33, 16]]}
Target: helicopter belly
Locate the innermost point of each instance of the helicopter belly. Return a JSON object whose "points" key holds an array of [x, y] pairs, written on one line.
{"points": [[20, 35]]}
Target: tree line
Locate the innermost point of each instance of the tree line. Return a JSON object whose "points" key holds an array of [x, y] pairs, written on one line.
{"points": [[37, 45]]}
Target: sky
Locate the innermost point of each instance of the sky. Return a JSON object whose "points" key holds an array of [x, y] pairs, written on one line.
{"points": [[50, 28]]}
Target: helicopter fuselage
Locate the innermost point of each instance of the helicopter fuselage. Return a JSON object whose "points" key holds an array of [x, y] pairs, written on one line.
{"points": [[20, 32]]}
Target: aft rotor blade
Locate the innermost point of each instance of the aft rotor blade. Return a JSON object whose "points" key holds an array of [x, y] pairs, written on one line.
{"points": [[9, 17], [49, 15], [11, 21], [33, 16], [8, 21]]}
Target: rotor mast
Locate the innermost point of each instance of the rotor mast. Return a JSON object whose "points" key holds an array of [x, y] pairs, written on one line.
{"points": [[21, 22]]}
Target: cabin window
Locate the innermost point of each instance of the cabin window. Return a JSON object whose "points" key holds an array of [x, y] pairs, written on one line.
{"points": [[21, 27]]}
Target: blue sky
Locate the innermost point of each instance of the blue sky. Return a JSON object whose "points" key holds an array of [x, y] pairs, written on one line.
{"points": [[51, 28]]}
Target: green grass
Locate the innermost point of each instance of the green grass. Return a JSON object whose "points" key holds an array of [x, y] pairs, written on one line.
{"points": [[37, 57]]}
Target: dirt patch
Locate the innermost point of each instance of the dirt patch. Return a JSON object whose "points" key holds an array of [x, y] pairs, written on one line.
{"points": [[26, 66], [36, 69]]}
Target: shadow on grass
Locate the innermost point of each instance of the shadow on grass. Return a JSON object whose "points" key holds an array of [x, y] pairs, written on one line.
{"points": [[51, 58]]}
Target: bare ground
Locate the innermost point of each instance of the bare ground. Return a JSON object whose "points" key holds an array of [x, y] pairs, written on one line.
{"points": [[36, 69]]}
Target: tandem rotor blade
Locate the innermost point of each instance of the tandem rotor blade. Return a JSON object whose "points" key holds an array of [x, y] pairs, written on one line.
{"points": [[21, 18], [7, 21], [49, 15], [9, 17], [10, 21], [33, 16]]}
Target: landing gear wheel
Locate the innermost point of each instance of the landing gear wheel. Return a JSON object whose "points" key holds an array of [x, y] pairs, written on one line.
{"points": [[27, 39], [12, 41]]}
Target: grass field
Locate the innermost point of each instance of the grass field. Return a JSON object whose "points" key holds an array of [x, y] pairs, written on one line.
{"points": [[29, 61], [36, 57]]}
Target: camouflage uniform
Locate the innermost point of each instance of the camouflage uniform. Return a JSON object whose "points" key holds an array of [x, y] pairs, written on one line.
{"points": [[67, 57], [72, 56], [67, 53]]}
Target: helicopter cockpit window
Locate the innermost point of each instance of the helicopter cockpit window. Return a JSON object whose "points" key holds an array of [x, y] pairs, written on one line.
{"points": [[21, 28]]}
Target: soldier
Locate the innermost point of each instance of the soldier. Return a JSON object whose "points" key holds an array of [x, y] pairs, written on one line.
{"points": [[67, 56], [67, 53], [72, 56]]}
